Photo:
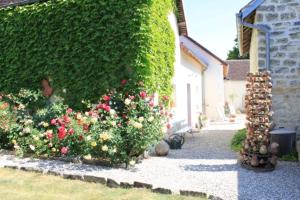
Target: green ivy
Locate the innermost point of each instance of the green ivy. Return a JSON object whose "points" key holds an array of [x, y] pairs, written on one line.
{"points": [[87, 46]]}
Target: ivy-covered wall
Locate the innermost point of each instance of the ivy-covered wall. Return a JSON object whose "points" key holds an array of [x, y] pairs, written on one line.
{"points": [[85, 46]]}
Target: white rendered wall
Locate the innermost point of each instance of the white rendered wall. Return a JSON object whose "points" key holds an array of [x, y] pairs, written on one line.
{"points": [[238, 89], [213, 82], [187, 71]]}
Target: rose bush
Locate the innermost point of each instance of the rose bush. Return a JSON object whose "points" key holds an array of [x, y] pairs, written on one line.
{"points": [[119, 128]]}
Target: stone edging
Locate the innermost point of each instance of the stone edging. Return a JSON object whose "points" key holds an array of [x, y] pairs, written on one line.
{"points": [[112, 183]]}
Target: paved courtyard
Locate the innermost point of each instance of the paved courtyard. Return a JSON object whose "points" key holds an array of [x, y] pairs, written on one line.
{"points": [[205, 164]]}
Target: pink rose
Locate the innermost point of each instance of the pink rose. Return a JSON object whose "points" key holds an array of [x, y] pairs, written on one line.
{"points": [[107, 108], [143, 94], [166, 98], [64, 150], [61, 132], [151, 103], [123, 82], [49, 136], [69, 110], [106, 98], [169, 126], [71, 131], [53, 122], [67, 119]]}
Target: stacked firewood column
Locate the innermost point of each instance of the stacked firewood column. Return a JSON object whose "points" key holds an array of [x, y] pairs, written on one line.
{"points": [[257, 152]]}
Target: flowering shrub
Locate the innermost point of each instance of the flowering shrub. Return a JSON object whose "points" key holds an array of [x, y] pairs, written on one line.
{"points": [[119, 128]]}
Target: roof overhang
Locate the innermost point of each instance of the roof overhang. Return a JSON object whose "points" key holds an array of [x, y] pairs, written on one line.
{"points": [[247, 14], [181, 18], [18, 3], [194, 56]]}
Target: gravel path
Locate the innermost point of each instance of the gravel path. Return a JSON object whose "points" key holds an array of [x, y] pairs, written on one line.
{"points": [[205, 164]]}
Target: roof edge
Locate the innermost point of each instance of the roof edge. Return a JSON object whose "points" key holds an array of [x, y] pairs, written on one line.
{"points": [[206, 50]]}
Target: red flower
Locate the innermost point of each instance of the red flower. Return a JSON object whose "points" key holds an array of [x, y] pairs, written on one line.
{"points": [[80, 137], [85, 127], [60, 122], [151, 103], [107, 108], [106, 98], [124, 116], [49, 136], [67, 119], [61, 132], [169, 126], [71, 131], [53, 122], [69, 110], [64, 150], [143, 94], [166, 98], [123, 82]]}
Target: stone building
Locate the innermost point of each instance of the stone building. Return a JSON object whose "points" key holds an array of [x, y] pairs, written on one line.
{"points": [[270, 31]]}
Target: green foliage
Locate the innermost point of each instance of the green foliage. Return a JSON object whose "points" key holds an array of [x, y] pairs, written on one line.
{"points": [[85, 46], [234, 54], [293, 156], [238, 139]]}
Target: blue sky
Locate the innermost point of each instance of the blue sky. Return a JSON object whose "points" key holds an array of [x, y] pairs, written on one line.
{"points": [[212, 23]]}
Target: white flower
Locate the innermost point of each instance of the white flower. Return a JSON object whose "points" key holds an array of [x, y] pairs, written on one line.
{"points": [[26, 130], [138, 125], [113, 123], [112, 112], [36, 138], [86, 113], [94, 120], [32, 147], [141, 119], [45, 125], [150, 119], [127, 101], [114, 150], [88, 138], [104, 148], [87, 157], [28, 122], [132, 162]]}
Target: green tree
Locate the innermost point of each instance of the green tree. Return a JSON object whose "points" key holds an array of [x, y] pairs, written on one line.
{"points": [[235, 53]]}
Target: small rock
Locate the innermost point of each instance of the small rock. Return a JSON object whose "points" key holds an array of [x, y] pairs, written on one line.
{"points": [[142, 185], [112, 183], [162, 190], [162, 149]]}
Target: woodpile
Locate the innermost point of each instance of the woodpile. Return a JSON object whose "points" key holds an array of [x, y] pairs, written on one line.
{"points": [[257, 152]]}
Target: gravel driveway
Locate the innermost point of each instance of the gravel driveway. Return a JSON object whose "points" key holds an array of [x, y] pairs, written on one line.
{"points": [[205, 164]]}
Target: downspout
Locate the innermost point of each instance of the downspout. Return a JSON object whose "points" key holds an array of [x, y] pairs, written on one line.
{"points": [[261, 28]]}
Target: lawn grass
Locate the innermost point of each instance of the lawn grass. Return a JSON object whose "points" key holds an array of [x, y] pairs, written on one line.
{"points": [[16, 185]]}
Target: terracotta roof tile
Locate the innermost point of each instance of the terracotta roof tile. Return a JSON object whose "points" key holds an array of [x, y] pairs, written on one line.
{"points": [[238, 69]]}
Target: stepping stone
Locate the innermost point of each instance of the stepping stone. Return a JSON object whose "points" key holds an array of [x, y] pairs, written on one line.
{"points": [[112, 183], [192, 193], [142, 185], [162, 191], [94, 179]]}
